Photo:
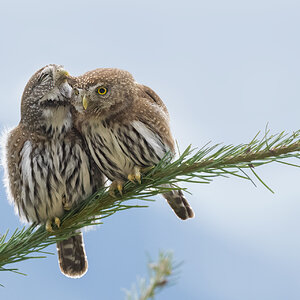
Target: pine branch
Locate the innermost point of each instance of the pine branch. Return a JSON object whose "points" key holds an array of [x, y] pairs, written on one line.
{"points": [[161, 274], [200, 166]]}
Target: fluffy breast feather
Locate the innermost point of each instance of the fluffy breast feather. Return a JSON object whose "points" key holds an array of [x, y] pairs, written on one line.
{"points": [[43, 174], [117, 148]]}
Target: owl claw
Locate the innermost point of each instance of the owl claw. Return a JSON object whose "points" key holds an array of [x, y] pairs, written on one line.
{"points": [[48, 225], [116, 184], [131, 177], [67, 206], [136, 176], [57, 222], [120, 188]]}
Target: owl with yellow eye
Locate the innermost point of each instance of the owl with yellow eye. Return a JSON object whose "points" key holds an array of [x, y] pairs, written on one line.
{"points": [[126, 128]]}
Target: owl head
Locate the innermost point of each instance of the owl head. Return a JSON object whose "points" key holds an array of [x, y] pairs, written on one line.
{"points": [[103, 92], [45, 93]]}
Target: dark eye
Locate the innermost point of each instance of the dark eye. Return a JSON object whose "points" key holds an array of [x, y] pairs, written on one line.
{"points": [[76, 92], [102, 90]]}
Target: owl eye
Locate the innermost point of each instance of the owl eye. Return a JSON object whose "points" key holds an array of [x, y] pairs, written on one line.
{"points": [[102, 90], [76, 92]]}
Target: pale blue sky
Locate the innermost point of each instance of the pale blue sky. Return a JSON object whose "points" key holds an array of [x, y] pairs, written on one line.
{"points": [[224, 69]]}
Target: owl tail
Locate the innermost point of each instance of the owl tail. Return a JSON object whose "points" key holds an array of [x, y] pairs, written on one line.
{"points": [[179, 204], [71, 256]]}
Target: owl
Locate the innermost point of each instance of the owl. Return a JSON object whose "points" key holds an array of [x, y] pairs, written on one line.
{"points": [[48, 167], [126, 127]]}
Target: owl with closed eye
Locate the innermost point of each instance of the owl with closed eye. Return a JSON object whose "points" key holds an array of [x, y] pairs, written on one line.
{"points": [[48, 167], [126, 128]]}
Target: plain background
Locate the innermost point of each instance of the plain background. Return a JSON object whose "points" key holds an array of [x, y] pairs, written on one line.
{"points": [[224, 69]]}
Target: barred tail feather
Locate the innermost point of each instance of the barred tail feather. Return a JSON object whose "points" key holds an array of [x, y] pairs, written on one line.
{"points": [[71, 256], [179, 204]]}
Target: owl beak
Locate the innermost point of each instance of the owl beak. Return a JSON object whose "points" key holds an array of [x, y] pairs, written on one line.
{"points": [[64, 73], [61, 72], [60, 75], [85, 102]]}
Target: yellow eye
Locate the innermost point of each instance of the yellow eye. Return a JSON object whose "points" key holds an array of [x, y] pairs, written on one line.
{"points": [[76, 92], [102, 90]]}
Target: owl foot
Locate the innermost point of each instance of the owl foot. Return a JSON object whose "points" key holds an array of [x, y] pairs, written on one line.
{"points": [[48, 225], [57, 222], [137, 172], [116, 185], [136, 176], [66, 204]]}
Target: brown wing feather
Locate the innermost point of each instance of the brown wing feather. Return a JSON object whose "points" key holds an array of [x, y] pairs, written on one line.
{"points": [[15, 141], [152, 97], [150, 109]]}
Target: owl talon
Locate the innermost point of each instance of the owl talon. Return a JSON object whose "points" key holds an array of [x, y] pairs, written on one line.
{"points": [[67, 206], [57, 222], [120, 188], [131, 178], [136, 176], [48, 226], [116, 184]]}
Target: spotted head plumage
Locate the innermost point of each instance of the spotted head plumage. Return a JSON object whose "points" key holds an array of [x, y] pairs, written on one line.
{"points": [[106, 91], [45, 103]]}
